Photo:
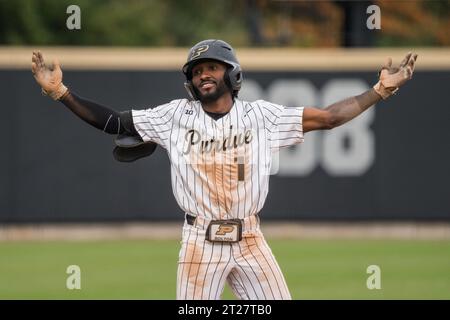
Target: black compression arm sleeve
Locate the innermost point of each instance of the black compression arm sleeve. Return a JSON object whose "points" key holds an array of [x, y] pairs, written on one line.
{"points": [[101, 117]]}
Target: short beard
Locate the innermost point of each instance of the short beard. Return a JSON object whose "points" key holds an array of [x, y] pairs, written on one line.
{"points": [[221, 89]]}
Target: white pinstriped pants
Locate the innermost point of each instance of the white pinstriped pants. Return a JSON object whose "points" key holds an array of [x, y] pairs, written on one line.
{"points": [[248, 266]]}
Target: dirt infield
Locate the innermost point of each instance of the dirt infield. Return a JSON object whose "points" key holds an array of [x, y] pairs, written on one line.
{"points": [[276, 230]]}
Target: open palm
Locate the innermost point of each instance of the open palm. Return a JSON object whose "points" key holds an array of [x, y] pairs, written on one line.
{"points": [[48, 77]]}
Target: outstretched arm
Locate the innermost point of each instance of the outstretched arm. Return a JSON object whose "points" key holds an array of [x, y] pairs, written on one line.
{"points": [[129, 144], [343, 111], [99, 116]]}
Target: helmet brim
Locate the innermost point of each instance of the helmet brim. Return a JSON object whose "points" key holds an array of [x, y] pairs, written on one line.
{"points": [[187, 67]]}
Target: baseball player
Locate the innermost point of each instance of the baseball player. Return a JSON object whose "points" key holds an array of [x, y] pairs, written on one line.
{"points": [[220, 150]]}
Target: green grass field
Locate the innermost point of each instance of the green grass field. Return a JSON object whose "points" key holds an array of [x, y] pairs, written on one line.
{"points": [[147, 269]]}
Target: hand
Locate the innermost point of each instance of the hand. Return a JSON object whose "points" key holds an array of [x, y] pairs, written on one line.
{"points": [[391, 78], [48, 77]]}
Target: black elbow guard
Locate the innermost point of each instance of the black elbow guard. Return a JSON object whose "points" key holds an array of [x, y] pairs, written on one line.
{"points": [[126, 121], [129, 144], [130, 154]]}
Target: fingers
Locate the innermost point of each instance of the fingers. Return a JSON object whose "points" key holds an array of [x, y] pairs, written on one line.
{"points": [[388, 63], [411, 65], [412, 61], [35, 65], [38, 59], [405, 60], [34, 58], [56, 64], [33, 68], [38, 63], [41, 60], [408, 72]]}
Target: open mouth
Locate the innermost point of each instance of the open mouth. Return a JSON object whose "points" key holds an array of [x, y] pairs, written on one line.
{"points": [[207, 84]]}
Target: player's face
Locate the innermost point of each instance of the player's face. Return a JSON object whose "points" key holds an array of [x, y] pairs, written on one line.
{"points": [[208, 80]]}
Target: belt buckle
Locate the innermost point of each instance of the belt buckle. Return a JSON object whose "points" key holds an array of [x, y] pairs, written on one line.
{"points": [[224, 231]]}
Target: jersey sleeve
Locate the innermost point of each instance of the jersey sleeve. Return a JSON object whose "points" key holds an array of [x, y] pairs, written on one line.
{"points": [[284, 125], [154, 124]]}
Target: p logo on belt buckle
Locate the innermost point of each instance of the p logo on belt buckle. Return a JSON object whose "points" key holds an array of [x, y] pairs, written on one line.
{"points": [[224, 231]]}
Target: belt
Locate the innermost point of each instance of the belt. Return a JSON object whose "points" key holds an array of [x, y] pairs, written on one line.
{"points": [[191, 219], [249, 223]]}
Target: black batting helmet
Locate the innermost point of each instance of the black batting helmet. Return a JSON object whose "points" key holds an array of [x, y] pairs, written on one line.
{"points": [[216, 50]]}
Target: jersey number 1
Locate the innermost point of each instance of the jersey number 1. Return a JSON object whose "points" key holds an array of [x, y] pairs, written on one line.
{"points": [[240, 162]]}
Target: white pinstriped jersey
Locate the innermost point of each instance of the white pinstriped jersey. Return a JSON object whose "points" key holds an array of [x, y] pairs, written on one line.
{"points": [[220, 168]]}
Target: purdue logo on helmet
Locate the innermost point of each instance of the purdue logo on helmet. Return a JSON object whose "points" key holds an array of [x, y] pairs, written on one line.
{"points": [[198, 51], [216, 50]]}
